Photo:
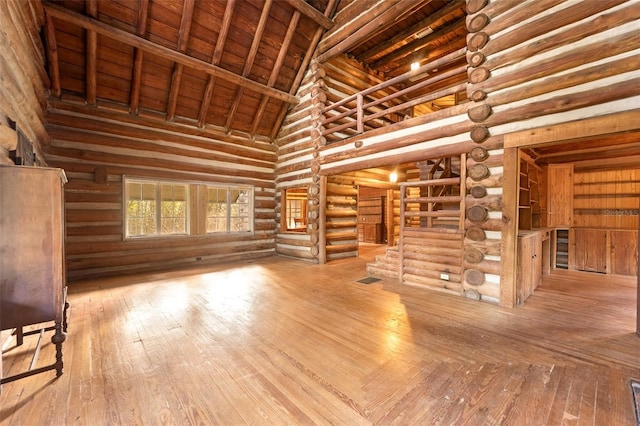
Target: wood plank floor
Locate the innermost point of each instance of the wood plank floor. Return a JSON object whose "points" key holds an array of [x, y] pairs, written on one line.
{"points": [[278, 341]]}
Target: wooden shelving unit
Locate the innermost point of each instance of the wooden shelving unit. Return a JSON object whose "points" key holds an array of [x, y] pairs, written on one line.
{"points": [[529, 208], [561, 249]]}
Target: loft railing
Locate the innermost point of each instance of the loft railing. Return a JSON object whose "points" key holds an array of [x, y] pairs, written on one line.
{"points": [[395, 99]]}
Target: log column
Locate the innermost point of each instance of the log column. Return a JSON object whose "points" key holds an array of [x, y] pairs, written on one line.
{"points": [[481, 246], [316, 197]]}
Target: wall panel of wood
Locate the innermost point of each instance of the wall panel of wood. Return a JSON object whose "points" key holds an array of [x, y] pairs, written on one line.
{"points": [[96, 153], [606, 199], [24, 79]]}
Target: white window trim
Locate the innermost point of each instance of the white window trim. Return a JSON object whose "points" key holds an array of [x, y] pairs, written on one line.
{"points": [[157, 182], [251, 204], [192, 203]]}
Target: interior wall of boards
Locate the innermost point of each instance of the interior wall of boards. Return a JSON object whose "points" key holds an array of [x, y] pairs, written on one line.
{"points": [[589, 215]]}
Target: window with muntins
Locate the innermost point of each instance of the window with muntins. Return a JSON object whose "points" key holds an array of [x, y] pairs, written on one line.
{"points": [[162, 208], [156, 208], [229, 209]]}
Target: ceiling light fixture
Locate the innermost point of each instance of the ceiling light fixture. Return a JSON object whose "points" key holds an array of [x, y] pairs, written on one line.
{"points": [[424, 32], [415, 65]]}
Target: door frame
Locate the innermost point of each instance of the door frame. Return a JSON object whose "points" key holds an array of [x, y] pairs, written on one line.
{"points": [[541, 136]]}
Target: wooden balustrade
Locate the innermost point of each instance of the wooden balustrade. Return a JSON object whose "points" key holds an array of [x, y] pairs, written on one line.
{"points": [[376, 107]]}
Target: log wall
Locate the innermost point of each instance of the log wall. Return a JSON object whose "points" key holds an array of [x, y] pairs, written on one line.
{"points": [[97, 149], [24, 80], [546, 63], [341, 219], [293, 170]]}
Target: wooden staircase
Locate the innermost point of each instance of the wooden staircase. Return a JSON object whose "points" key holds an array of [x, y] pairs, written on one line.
{"points": [[431, 229], [385, 265]]}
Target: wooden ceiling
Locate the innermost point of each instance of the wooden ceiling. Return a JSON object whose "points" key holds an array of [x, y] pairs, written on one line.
{"points": [[234, 65], [230, 65], [615, 150]]}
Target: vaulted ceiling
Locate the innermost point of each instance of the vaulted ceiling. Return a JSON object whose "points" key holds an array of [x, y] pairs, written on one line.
{"points": [[229, 65]]}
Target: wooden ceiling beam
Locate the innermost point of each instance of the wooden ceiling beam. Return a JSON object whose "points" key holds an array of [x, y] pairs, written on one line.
{"points": [[605, 146], [276, 68], [373, 27], [363, 28], [308, 10], [183, 38], [215, 60], [419, 44], [164, 52], [257, 37], [579, 129], [52, 56], [340, 32], [410, 33], [91, 58], [303, 68], [136, 77]]}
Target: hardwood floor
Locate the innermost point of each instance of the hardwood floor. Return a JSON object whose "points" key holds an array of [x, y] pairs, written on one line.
{"points": [[277, 341]]}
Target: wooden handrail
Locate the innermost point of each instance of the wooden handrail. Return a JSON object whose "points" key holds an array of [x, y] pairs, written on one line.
{"points": [[364, 110]]}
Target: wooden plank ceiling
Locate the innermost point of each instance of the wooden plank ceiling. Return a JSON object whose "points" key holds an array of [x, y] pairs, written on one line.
{"points": [[230, 65]]}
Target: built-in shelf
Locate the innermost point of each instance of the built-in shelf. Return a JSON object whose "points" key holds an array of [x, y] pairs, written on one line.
{"points": [[530, 216]]}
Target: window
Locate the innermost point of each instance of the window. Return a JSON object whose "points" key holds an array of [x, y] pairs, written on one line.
{"points": [[155, 208], [295, 209], [229, 209]]}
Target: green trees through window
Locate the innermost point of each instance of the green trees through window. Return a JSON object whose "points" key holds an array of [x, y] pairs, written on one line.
{"points": [[156, 208], [162, 208], [228, 209]]}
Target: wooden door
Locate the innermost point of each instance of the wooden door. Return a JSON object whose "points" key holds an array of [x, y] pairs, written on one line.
{"points": [[560, 190], [624, 252], [590, 250]]}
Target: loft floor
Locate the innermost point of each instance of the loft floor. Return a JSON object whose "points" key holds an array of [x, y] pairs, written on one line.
{"points": [[285, 342]]}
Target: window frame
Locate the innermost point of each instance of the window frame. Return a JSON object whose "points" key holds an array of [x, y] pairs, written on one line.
{"points": [[196, 208], [158, 201], [250, 207], [301, 194]]}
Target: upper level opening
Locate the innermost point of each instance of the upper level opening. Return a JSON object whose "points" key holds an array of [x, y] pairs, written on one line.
{"points": [[411, 66]]}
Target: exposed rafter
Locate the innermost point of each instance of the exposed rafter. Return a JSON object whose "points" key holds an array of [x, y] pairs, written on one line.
{"points": [[183, 38], [257, 37], [134, 98], [161, 51], [52, 56], [215, 60], [91, 8], [361, 33], [276, 68], [312, 13]]}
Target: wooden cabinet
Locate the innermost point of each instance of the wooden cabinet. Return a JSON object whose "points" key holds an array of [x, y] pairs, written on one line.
{"points": [[560, 198], [32, 281], [530, 261], [590, 250], [623, 250], [605, 251]]}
